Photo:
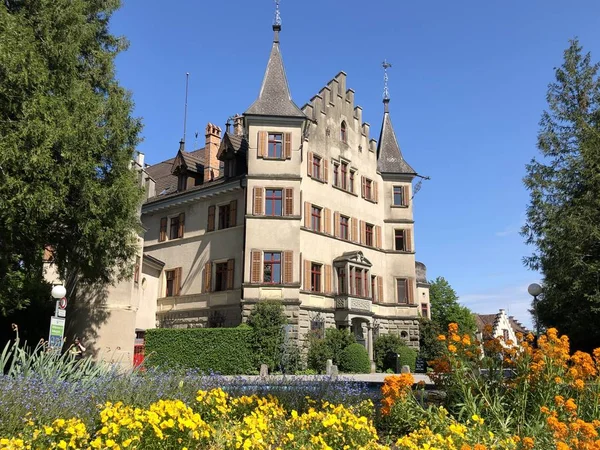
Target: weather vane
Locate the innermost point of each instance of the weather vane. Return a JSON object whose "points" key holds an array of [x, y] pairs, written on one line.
{"points": [[277, 14], [386, 92]]}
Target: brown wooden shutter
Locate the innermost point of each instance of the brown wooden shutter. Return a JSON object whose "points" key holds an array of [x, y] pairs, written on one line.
{"points": [[181, 228], [375, 192], [336, 224], [230, 273], [163, 230], [211, 218], [354, 226], [256, 257], [327, 279], [327, 220], [289, 202], [378, 242], [262, 144], [405, 198], [363, 183], [380, 289], [325, 177], [408, 240], [306, 275], [409, 292], [288, 267], [307, 207], [232, 213], [207, 276], [287, 146], [177, 282], [363, 231], [309, 162], [258, 201]]}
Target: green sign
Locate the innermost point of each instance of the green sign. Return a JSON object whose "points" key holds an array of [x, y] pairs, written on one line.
{"points": [[57, 331]]}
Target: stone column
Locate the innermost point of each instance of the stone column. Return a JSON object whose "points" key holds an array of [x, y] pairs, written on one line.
{"points": [[370, 341]]}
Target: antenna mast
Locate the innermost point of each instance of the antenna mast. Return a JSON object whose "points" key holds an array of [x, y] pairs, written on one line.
{"points": [[187, 79]]}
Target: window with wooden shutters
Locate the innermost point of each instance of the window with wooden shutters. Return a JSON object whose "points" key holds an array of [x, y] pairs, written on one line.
{"points": [[380, 289], [255, 272], [343, 175], [262, 144], [288, 267], [272, 267], [163, 229], [258, 201], [378, 242], [375, 193], [410, 292], [424, 310], [307, 265], [316, 168], [174, 228], [232, 213], [316, 274], [211, 218], [363, 181], [316, 213], [275, 146], [368, 234], [207, 276], [402, 290], [325, 176], [344, 228], [224, 216], [289, 201], [351, 181], [327, 220], [328, 275], [373, 288], [409, 241], [173, 282], [220, 277], [342, 283], [288, 145], [336, 174], [309, 164], [274, 202], [400, 240], [398, 196], [230, 273], [181, 227]]}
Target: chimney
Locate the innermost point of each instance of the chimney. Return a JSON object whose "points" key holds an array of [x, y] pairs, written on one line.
{"points": [[140, 159], [211, 147], [238, 125]]}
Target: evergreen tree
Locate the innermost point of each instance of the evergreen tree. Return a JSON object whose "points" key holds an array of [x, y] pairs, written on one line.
{"points": [[563, 217], [445, 308], [66, 141]]}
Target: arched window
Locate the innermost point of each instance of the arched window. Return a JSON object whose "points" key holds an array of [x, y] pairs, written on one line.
{"points": [[343, 133]]}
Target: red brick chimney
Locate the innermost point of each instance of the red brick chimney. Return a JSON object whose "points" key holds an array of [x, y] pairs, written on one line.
{"points": [[211, 147]]}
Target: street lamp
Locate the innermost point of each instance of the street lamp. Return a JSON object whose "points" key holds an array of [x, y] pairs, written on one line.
{"points": [[58, 291], [535, 290]]}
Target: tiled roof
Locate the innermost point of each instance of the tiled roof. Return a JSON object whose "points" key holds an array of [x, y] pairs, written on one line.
{"points": [[274, 98], [482, 320], [517, 326], [205, 185], [161, 172], [239, 143], [389, 156]]}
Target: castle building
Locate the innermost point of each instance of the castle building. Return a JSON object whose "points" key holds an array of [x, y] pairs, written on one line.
{"points": [[297, 205]]}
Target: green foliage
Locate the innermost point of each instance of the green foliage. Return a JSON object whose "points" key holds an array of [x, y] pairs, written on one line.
{"points": [[67, 141], [267, 320], [385, 344], [355, 359], [291, 359], [407, 357], [563, 217], [224, 350], [429, 345], [337, 341], [445, 308], [318, 354]]}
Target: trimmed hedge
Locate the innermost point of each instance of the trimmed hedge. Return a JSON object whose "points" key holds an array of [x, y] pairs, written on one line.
{"points": [[407, 357], [355, 359], [224, 350]]}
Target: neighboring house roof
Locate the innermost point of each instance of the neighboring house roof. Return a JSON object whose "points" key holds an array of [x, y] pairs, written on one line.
{"points": [[166, 182], [517, 326], [389, 156], [493, 320], [274, 98]]}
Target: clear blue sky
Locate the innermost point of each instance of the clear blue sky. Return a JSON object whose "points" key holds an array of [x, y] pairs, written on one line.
{"points": [[468, 86]]}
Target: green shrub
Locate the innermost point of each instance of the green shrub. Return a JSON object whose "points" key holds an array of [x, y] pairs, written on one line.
{"points": [[355, 359], [318, 354], [392, 343], [291, 360], [267, 320], [407, 357], [224, 350], [337, 341]]}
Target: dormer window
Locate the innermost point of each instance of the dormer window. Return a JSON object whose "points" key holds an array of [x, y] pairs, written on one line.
{"points": [[182, 182], [343, 133]]}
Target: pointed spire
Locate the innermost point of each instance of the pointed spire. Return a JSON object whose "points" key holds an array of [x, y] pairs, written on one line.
{"points": [[274, 98], [389, 155]]}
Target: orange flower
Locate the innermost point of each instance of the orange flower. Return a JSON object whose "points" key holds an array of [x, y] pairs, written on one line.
{"points": [[528, 443], [452, 348], [441, 337], [453, 327]]}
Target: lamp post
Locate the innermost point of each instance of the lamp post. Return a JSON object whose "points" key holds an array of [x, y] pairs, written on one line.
{"points": [[57, 322], [535, 290]]}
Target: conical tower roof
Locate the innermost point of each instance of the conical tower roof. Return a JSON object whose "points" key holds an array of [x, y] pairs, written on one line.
{"points": [[274, 98], [389, 155]]}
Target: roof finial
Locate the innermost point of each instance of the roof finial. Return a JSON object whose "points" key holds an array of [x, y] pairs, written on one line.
{"points": [[277, 22], [386, 92]]}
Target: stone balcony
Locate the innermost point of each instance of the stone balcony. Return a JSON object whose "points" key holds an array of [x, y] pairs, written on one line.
{"points": [[350, 303]]}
